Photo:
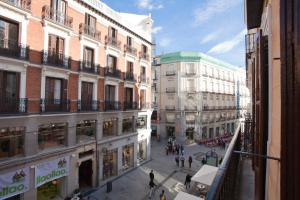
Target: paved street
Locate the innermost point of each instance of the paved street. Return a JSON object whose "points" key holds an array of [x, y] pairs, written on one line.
{"points": [[168, 177]]}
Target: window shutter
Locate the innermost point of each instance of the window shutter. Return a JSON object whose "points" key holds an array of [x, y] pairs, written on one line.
{"points": [[65, 89], [49, 92], [61, 46], [52, 44]]}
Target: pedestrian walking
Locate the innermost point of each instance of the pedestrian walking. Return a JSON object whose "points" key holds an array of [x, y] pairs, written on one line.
{"points": [[152, 185], [187, 182], [181, 149], [220, 161], [182, 161], [177, 160], [151, 175], [190, 161], [162, 196], [203, 161], [177, 149]]}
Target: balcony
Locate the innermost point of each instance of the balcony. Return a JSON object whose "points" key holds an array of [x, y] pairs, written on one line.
{"points": [[234, 178], [115, 73], [89, 67], [89, 31], [129, 76], [13, 106], [144, 79], [129, 49], [170, 73], [144, 106], [130, 105], [55, 59], [88, 105], [170, 90], [112, 105], [250, 42], [57, 17], [22, 4], [144, 56], [190, 108], [55, 105], [170, 107], [112, 41], [12, 49]]}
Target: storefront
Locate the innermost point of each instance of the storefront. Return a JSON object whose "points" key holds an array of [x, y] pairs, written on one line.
{"points": [[142, 151], [50, 178], [110, 166], [170, 131], [189, 133], [127, 156], [86, 131], [14, 184]]}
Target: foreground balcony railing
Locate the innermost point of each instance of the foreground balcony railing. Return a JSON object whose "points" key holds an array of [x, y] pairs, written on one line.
{"points": [[112, 41], [129, 49], [13, 105], [56, 16], [23, 4], [112, 72], [112, 105], [55, 59], [12, 49], [55, 105], [88, 105], [89, 31], [224, 185], [130, 105], [89, 67]]}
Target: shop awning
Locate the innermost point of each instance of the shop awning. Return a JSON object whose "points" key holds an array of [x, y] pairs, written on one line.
{"points": [[205, 175], [185, 196], [170, 117]]}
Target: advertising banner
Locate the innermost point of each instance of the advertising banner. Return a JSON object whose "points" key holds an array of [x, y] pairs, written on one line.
{"points": [[51, 170], [14, 183]]}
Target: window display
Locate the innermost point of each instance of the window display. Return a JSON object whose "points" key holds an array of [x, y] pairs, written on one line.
{"points": [[127, 156], [52, 135], [85, 131], [11, 141], [50, 190], [142, 151], [110, 163]]}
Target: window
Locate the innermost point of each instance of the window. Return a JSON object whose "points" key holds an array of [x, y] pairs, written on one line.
{"points": [[53, 88], [129, 41], [127, 126], [109, 127], [91, 22], [9, 34], [88, 57], [112, 32], [86, 131], [86, 96], [110, 92], [11, 142], [52, 135], [56, 46], [144, 49], [129, 68], [111, 63], [141, 122]]}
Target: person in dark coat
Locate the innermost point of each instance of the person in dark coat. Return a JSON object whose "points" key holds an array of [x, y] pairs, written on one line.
{"points": [[151, 175], [187, 182], [190, 161], [151, 184], [177, 160], [182, 161]]}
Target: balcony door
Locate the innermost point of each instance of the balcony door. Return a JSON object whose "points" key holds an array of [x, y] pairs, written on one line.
{"points": [[143, 98], [9, 91], [59, 8], [128, 95], [55, 94], [110, 93], [56, 49], [112, 32], [90, 21], [86, 95], [9, 34], [111, 63], [88, 57]]}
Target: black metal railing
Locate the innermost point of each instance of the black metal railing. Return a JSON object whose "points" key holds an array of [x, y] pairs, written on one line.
{"points": [[143, 79], [224, 184], [89, 67], [56, 16], [190, 108], [144, 105], [112, 41], [129, 49], [144, 56], [13, 105], [89, 31], [55, 105], [112, 72], [87, 105], [23, 4], [55, 59], [13, 49], [129, 76], [130, 105], [112, 105], [170, 73]]}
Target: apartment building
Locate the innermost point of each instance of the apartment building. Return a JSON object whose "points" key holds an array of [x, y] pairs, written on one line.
{"points": [[199, 97], [75, 96], [272, 61]]}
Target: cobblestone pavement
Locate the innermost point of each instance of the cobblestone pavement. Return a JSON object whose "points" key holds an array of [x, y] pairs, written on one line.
{"points": [[168, 177]]}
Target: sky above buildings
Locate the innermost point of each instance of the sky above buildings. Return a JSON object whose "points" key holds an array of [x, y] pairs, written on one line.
{"points": [[214, 27]]}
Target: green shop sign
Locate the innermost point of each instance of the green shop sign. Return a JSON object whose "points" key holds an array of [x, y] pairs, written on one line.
{"points": [[51, 170], [14, 183]]}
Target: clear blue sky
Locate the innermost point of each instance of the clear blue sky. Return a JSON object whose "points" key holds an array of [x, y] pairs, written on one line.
{"points": [[215, 27]]}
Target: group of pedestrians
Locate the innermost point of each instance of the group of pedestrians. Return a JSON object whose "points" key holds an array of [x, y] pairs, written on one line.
{"points": [[182, 160], [174, 148]]}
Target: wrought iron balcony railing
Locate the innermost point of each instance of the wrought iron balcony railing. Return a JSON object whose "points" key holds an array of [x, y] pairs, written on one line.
{"points": [[89, 67], [56, 16], [112, 72], [190, 108], [170, 73], [130, 105], [170, 107], [55, 59], [129, 76], [87, 105], [90, 31], [13, 105], [144, 56], [144, 105], [22, 4], [143, 79], [131, 50], [112, 105], [12, 49], [112, 41], [55, 105]]}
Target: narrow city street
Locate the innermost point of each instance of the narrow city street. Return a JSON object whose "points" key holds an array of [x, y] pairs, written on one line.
{"points": [[168, 177]]}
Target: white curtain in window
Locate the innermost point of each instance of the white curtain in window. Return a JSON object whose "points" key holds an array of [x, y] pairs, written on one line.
{"points": [[57, 89]]}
